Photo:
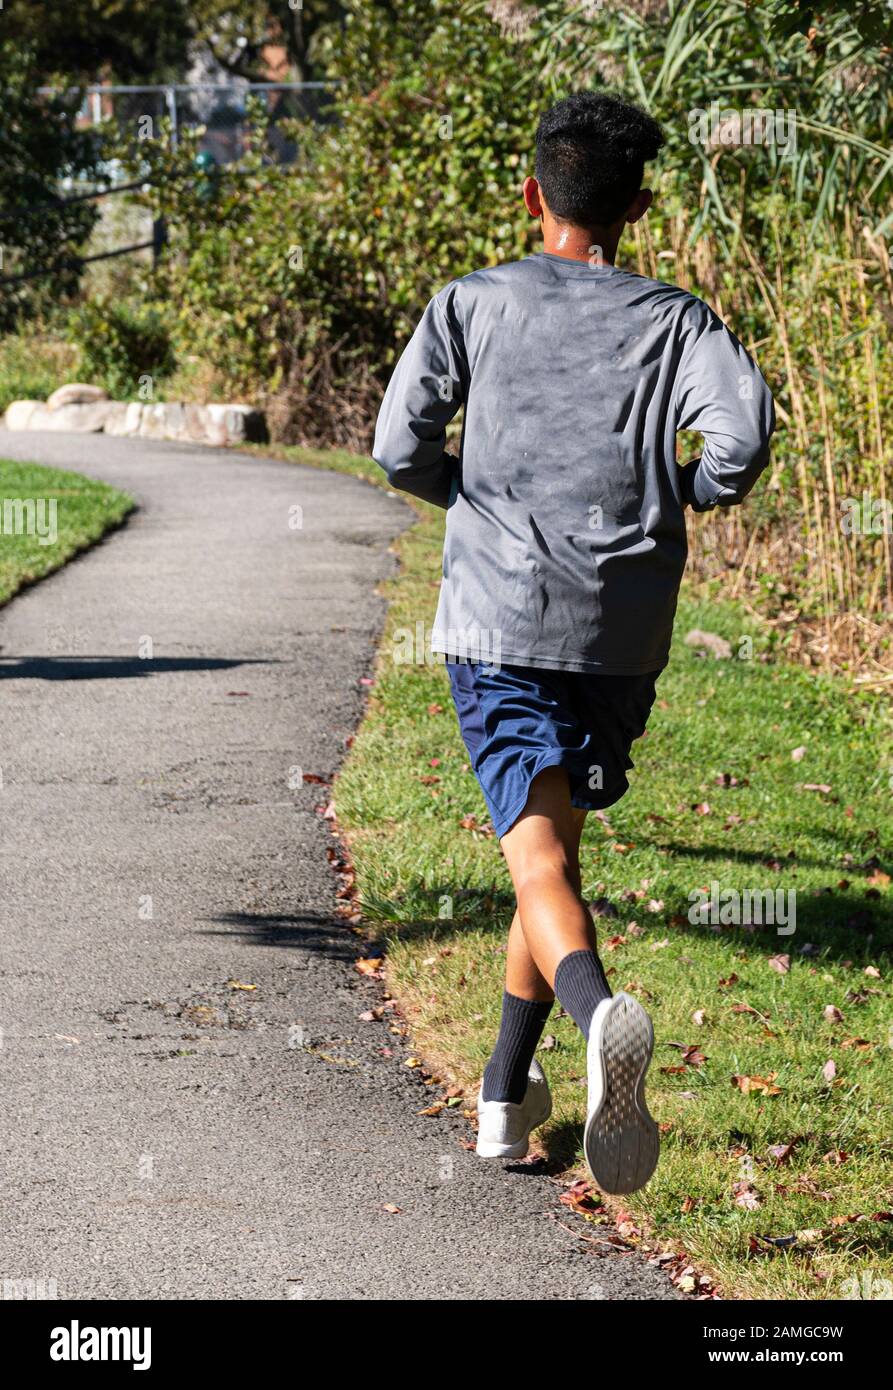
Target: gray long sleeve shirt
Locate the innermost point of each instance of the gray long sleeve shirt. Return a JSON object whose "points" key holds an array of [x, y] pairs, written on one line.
{"points": [[565, 533]]}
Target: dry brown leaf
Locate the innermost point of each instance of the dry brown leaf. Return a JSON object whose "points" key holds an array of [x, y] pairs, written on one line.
{"points": [[757, 1085], [369, 965]]}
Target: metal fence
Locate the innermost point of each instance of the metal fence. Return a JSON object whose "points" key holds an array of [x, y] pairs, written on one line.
{"points": [[219, 107]]}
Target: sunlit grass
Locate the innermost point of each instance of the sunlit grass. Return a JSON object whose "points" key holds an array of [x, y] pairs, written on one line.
{"points": [[721, 735], [32, 545]]}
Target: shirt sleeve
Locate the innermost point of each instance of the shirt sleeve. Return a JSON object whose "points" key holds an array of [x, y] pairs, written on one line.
{"points": [[721, 393], [429, 384]]}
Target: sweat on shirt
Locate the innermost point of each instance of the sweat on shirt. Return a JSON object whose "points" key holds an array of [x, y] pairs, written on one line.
{"points": [[565, 532]]}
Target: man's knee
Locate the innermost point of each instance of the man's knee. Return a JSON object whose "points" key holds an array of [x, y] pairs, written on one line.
{"points": [[545, 869]]}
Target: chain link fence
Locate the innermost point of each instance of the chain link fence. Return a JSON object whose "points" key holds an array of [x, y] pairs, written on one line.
{"points": [[221, 108]]}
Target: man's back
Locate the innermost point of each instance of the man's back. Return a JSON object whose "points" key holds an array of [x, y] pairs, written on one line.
{"points": [[565, 539]]}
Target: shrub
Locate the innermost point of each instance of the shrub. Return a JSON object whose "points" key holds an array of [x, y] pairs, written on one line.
{"points": [[121, 345]]}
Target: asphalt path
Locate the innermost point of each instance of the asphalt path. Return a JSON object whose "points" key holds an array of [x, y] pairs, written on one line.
{"points": [[167, 1134]]}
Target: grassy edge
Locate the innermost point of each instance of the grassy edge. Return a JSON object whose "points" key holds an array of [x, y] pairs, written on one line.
{"points": [[356, 466], [114, 508], [353, 835]]}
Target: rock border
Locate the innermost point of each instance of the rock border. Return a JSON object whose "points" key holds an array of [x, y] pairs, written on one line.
{"points": [[85, 409]]}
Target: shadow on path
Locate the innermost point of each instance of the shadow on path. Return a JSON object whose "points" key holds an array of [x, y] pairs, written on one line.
{"points": [[87, 668], [314, 932]]}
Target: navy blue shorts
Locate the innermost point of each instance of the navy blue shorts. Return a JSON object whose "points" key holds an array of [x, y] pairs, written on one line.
{"points": [[517, 720]]}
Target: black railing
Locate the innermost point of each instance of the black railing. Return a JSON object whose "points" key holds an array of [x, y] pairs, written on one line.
{"points": [[77, 263]]}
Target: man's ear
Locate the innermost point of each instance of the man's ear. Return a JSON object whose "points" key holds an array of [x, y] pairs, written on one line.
{"points": [[639, 205], [532, 200]]}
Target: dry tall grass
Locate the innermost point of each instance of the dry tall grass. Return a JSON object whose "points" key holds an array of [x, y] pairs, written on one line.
{"points": [[812, 552]]}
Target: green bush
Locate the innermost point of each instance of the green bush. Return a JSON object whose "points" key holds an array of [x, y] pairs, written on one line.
{"points": [[301, 283], [121, 345], [33, 363], [40, 143]]}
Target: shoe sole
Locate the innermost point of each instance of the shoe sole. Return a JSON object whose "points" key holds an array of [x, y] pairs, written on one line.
{"points": [[621, 1141], [519, 1148]]}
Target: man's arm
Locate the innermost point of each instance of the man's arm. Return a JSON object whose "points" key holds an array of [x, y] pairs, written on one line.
{"points": [[720, 392], [429, 384]]}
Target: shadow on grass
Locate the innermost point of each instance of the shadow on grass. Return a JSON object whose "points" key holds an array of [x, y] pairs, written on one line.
{"points": [[841, 925]]}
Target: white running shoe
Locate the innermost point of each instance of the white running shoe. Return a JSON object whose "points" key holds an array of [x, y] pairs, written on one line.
{"points": [[621, 1140], [504, 1128]]}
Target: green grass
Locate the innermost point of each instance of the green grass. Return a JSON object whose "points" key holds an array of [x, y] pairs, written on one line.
{"points": [[30, 547], [440, 894]]}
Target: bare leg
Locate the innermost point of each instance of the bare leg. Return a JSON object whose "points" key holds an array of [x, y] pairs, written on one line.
{"points": [[542, 850], [522, 978]]}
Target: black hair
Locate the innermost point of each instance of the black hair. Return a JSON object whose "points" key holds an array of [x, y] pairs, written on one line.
{"points": [[591, 150]]}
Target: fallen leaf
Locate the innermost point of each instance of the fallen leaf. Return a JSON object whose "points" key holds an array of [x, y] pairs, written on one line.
{"points": [[582, 1196], [757, 1085], [797, 754], [238, 984], [699, 1017], [832, 1014], [746, 1196], [369, 965], [389, 1207], [829, 1070], [780, 963]]}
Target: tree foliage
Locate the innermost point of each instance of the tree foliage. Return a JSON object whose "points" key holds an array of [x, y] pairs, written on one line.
{"points": [[39, 145]]}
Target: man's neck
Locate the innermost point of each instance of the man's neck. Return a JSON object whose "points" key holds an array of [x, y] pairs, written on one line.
{"points": [[596, 247]]}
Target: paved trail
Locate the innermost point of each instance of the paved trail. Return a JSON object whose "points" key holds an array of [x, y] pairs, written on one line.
{"points": [[164, 1136]]}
